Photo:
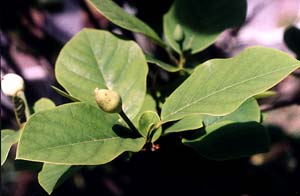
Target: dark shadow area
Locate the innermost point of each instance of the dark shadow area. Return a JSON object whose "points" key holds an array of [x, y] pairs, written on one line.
{"points": [[292, 39], [207, 17], [124, 132]]}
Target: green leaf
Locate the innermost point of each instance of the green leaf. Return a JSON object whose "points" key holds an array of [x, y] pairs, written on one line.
{"points": [[64, 94], [201, 21], [187, 123], [148, 105], [43, 104], [161, 64], [96, 58], [148, 122], [51, 176], [265, 94], [229, 140], [119, 17], [220, 86], [248, 111], [74, 134], [155, 134], [8, 138]]}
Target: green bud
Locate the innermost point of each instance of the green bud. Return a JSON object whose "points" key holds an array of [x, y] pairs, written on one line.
{"points": [[108, 100], [178, 33]]}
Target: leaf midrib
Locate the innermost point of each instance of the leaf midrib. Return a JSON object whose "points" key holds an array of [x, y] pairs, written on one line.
{"points": [[100, 68], [228, 87], [72, 144]]}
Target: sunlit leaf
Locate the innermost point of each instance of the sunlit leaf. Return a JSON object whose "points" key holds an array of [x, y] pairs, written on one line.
{"points": [[220, 86], [8, 138], [95, 58], [74, 134]]}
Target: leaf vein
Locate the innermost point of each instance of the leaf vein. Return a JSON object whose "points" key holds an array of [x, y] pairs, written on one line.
{"points": [[228, 87]]}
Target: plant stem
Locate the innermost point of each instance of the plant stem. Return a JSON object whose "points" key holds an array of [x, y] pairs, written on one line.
{"points": [[21, 109], [16, 111], [171, 56], [129, 123], [181, 61], [21, 94]]}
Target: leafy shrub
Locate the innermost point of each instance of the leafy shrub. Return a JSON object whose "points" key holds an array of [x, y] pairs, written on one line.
{"points": [[214, 110]]}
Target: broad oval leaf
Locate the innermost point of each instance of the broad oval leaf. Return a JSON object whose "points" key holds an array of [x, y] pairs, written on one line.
{"points": [[229, 140], [248, 111], [149, 122], [118, 16], [191, 122], [100, 59], [74, 134], [220, 86], [51, 176], [8, 138], [43, 104], [201, 21]]}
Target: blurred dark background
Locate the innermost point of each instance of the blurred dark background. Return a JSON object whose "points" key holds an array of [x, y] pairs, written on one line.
{"points": [[32, 34]]}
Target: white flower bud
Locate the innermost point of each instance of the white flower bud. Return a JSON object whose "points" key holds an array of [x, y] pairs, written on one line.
{"points": [[108, 100], [12, 83]]}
